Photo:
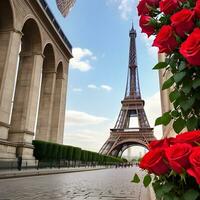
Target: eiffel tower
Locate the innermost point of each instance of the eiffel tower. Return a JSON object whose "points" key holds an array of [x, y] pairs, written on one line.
{"points": [[132, 126]]}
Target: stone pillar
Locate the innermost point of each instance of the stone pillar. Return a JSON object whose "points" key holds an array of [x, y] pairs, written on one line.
{"points": [[9, 49], [58, 115], [24, 113], [46, 106], [165, 102]]}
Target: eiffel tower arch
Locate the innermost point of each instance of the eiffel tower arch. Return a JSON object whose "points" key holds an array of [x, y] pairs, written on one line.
{"points": [[132, 126]]}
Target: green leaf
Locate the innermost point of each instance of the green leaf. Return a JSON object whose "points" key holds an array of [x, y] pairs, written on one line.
{"points": [[162, 190], [192, 123], [196, 83], [168, 196], [168, 83], [186, 88], [175, 113], [173, 62], [147, 180], [136, 179], [178, 125], [166, 118], [160, 65], [158, 121], [179, 76], [191, 195], [182, 66], [174, 95], [186, 105]]}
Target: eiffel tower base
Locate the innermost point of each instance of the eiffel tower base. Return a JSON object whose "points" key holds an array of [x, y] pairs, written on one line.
{"points": [[120, 140]]}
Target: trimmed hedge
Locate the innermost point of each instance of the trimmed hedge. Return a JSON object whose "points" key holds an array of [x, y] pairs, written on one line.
{"points": [[47, 151]]}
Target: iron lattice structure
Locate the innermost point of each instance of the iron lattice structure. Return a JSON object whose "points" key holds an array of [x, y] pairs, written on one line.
{"points": [[64, 6], [123, 136]]}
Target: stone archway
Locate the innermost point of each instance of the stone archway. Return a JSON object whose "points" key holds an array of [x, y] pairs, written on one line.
{"points": [[46, 94], [26, 96], [122, 146]]}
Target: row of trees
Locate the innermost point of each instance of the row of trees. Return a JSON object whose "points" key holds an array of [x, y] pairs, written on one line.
{"points": [[47, 152]]}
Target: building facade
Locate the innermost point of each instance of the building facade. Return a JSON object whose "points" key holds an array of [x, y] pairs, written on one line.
{"points": [[34, 59]]}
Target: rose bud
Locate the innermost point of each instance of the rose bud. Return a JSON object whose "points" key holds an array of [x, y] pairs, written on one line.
{"points": [[190, 49], [183, 22], [165, 40], [146, 25]]}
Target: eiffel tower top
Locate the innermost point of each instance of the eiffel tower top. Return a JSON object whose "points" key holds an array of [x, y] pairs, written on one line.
{"points": [[132, 86]]}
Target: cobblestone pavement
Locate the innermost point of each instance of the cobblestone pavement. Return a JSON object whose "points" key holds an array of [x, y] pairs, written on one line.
{"points": [[108, 184]]}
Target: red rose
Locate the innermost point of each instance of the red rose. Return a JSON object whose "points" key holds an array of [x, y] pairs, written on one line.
{"points": [[145, 6], [188, 137], [168, 6], [153, 3], [190, 49], [164, 143], [177, 156], [146, 26], [183, 22], [195, 162], [165, 40], [154, 162], [197, 9]]}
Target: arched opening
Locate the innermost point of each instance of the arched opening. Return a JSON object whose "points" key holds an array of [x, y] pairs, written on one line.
{"points": [[57, 122], [46, 94], [127, 146], [26, 96], [6, 25], [134, 153]]}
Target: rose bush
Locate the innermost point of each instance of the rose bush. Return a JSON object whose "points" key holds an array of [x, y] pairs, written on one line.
{"points": [[175, 26], [175, 163]]}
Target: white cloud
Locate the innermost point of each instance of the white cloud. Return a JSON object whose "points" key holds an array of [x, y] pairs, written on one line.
{"points": [[153, 111], [82, 59], [125, 7], [92, 86], [77, 118], [106, 87], [77, 90], [152, 51]]}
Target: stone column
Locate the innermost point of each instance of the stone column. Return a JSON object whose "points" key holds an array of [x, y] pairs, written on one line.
{"points": [[165, 102], [46, 106], [26, 99], [59, 106], [9, 49]]}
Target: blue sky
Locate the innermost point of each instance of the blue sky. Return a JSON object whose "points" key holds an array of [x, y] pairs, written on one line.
{"points": [[99, 33]]}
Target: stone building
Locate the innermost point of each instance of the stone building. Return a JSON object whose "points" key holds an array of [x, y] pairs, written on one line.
{"points": [[34, 59]]}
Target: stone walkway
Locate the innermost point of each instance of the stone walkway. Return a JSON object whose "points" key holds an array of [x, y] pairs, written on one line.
{"points": [[107, 184]]}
